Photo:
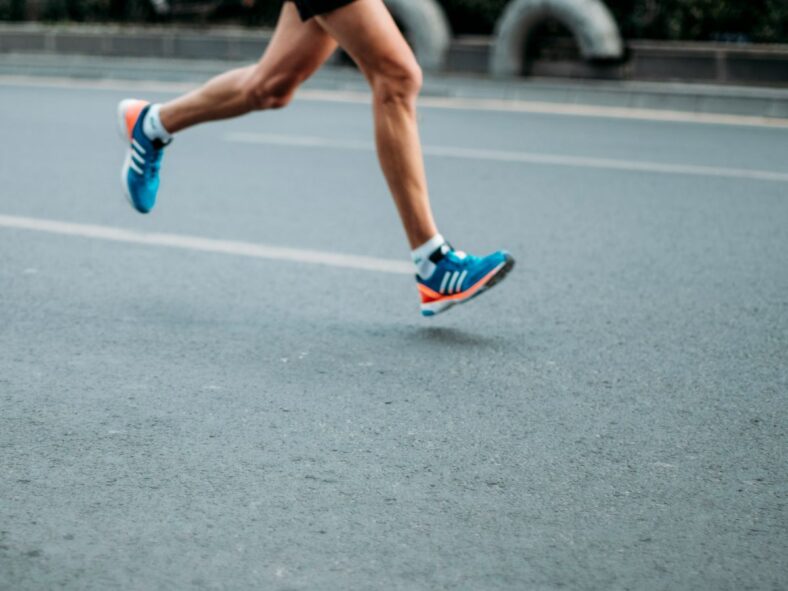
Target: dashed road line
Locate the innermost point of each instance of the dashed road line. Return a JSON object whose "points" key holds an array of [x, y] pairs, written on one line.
{"points": [[518, 157]]}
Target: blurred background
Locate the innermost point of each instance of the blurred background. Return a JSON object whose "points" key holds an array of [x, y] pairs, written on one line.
{"points": [[720, 41], [197, 399], [736, 21]]}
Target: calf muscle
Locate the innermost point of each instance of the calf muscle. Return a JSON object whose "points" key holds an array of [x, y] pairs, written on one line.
{"points": [[366, 30]]}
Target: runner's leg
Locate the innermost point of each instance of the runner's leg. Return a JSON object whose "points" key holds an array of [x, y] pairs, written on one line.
{"points": [[297, 49], [366, 30]]}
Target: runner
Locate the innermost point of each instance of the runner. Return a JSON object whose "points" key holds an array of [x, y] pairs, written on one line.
{"points": [[307, 33]]}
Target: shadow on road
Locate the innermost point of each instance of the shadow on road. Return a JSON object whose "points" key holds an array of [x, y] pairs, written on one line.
{"points": [[441, 335]]}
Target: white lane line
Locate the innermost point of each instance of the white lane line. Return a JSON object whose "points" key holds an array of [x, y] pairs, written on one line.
{"points": [[196, 243], [468, 104], [518, 157], [566, 109], [108, 84]]}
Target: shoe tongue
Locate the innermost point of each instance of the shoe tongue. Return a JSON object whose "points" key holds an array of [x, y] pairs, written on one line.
{"points": [[440, 252]]}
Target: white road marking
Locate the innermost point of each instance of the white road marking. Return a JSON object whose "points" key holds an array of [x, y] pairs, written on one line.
{"points": [[196, 243], [470, 104], [95, 84], [518, 157], [548, 108]]}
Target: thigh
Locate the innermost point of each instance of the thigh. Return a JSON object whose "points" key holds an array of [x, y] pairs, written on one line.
{"points": [[367, 31], [297, 48], [309, 8]]}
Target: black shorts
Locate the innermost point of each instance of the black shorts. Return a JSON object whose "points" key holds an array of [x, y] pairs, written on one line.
{"points": [[309, 8]]}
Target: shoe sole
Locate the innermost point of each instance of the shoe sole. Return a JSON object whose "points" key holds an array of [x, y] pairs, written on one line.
{"points": [[124, 135], [498, 275]]}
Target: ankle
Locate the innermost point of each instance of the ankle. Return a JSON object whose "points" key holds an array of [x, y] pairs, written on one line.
{"points": [[423, 255], [152, 125]]}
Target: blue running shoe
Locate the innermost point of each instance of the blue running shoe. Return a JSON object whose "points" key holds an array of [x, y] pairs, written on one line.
{"points": [[140, 175], [459, 277]]}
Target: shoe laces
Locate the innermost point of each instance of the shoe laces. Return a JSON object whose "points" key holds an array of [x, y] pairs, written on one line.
{"points": [[459, 258], [153, 164]]}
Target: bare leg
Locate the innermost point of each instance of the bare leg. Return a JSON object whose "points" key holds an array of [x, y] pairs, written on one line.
{"points": [[296, 50], [366, 30]]}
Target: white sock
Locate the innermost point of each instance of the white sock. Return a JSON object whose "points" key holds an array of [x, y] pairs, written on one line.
{"points": [[152, 127], [421, 256]]}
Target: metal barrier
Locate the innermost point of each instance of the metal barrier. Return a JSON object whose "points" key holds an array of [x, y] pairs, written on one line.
{"points": [[426, 27], [590, 22]]}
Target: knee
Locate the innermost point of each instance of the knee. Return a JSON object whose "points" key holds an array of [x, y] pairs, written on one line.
{"points": [[270, 92], [398, 81]]}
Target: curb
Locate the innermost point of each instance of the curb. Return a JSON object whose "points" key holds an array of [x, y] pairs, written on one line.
{"points": [[687, 98], [711, 63], [150, 41]]}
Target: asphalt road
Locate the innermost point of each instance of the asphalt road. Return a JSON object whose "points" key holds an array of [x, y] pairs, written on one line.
{"points": [[612, 416]]}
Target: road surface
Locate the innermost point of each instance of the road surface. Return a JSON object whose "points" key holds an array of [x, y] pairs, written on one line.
{"points": [[237, 391]]}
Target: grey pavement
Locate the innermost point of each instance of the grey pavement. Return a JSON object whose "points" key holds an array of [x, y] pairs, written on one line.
{"points": [[612, 416]]}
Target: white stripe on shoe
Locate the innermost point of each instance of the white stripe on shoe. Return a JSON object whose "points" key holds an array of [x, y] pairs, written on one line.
{"points": [[134, 166], [445, 280], [453, 280], [137, 146], [458, 287]]}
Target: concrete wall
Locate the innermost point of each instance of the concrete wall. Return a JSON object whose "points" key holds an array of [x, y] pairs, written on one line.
{"points": [[689, 62]]}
